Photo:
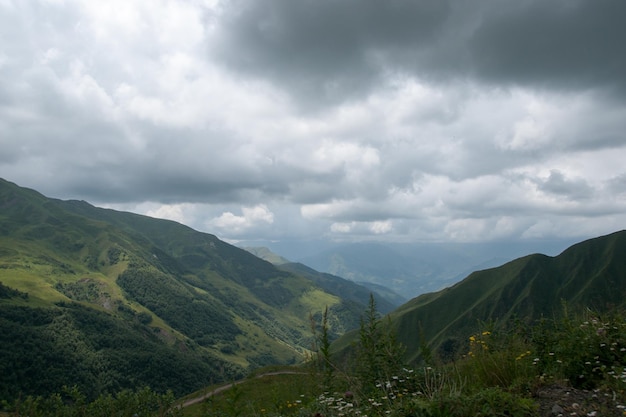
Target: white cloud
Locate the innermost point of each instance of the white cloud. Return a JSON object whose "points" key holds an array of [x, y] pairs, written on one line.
{"points": [[379, 228], [342, 227], [174, 212], [211, 112], [229, 223]]}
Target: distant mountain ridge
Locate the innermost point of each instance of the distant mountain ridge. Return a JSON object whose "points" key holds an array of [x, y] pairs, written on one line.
{"points": [[141, 301], [411, 269], [359, 292], [109, 300], [587, 275], [266, 254]]}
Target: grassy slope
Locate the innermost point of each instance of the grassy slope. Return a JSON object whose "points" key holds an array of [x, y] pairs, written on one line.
{"points": [[350, 291], [124, 264], [591, 274]]}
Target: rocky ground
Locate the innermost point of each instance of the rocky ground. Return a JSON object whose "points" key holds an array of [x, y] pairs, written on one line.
{"points": [[559, 400]]}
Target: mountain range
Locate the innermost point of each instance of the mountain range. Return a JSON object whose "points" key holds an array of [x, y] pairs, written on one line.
{"points": [[588, 276], [403, 270], [109, 300]]}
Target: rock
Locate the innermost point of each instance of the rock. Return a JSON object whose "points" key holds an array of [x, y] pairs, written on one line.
{"points": [[557, 410]]}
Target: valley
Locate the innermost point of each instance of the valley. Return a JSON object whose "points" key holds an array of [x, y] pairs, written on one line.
{"points": [[109, 302]]}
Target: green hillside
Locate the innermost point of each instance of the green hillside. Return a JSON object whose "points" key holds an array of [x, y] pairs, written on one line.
{"points": [[591, 274], [588, 275], [109, 300], [386, 299], [349, 290]]}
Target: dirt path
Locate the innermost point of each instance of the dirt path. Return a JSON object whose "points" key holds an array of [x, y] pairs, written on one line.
{"points": [[226, 387]]}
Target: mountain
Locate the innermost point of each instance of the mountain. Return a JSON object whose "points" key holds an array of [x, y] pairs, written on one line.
{"points": [[588, 275], [386, 299], [109, 300], [337, 285], [267, 255], [411, 269]]}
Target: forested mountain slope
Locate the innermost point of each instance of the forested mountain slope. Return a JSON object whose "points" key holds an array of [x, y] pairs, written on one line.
{"points": [[110, 300]]}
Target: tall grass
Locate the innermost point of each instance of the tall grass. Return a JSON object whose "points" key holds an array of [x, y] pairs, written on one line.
{"points": [[499, 372]]}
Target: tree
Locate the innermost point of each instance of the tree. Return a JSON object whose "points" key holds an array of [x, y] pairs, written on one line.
{"points": [[379, 353], [322, 347]]}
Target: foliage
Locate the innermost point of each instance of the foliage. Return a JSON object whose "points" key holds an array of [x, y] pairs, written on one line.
{"points": [[184, 308], [72, 403], [378, 354], [272, 392], [498, 373], [498, 358], [322, 360], [41, 350], [590, 274], [179, 305], [588, 351], [8, 292]]}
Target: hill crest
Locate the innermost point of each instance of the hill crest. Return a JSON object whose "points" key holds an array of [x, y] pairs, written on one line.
{"points": [[590, 274], [189, 295]]}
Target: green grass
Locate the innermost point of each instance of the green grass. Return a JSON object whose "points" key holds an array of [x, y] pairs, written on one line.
{"points": [[200, 292], [498, 373], [260, 394], [585, 275]]}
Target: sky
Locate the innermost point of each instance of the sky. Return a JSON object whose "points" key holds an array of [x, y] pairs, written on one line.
{"points": [[344, 120]]}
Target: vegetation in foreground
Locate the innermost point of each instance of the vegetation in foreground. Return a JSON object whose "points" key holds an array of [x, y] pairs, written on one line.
{"points": [[569, 366]]}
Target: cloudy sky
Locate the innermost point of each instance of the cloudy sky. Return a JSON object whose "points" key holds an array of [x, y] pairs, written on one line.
{"points": [[398, 120]]}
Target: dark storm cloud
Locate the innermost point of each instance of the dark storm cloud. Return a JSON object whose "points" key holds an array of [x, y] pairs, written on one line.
{"points": [[328, 50], [324, 50], [176, 165], [572, 44]]}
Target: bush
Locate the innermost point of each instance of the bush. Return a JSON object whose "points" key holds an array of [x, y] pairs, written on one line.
{"points": [[588, 351], [497, 374], [72, 403]]}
